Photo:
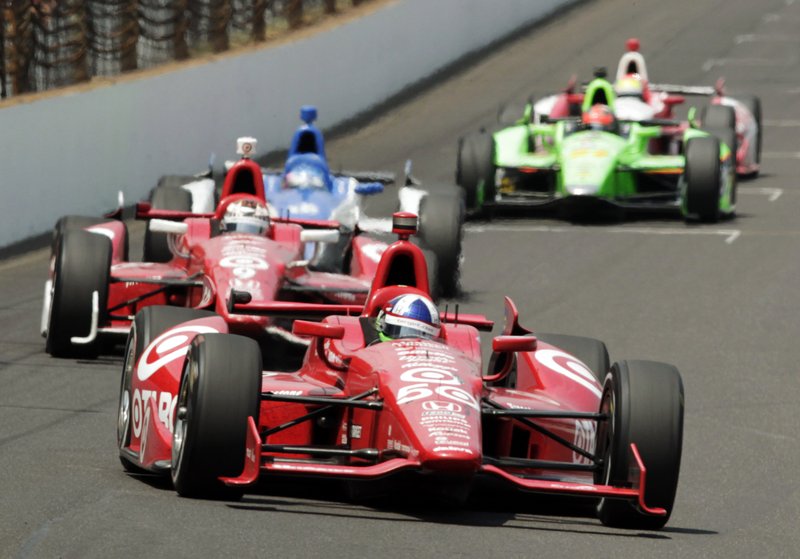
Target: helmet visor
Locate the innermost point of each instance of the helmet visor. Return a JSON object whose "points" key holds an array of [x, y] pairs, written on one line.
{"points": [[397, 327]]}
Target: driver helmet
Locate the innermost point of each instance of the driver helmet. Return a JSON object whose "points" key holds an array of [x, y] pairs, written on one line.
{"points": [[246, 216], [630, 85], [408, 316], [306, 170], [599, 117]]}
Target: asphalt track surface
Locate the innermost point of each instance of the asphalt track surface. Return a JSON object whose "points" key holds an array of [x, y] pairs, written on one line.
{"points": [[719, 301]]}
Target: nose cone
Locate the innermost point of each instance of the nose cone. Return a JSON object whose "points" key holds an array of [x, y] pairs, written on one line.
{"points": [[450, 437]]}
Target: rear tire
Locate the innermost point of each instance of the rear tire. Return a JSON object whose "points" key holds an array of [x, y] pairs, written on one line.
{"points": [[219, 390], [593, 353], [149, 323], [702, 176], [82, 265], [475, 169], [441, 220], [156, 245], [644, 400]]}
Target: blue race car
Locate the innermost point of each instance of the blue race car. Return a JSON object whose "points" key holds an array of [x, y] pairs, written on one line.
{"points": [[305, 188]]}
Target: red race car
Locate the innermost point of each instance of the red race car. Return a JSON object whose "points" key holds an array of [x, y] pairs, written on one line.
{"points": [[93, 291], [393, 390]]}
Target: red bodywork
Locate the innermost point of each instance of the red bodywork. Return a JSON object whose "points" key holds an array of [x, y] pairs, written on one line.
{"points": [[208, 264], [409, 405]]}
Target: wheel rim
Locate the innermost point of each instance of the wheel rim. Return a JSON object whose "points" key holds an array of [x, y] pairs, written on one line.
{"points": [[182, 414], [124, 414], [605, 436]]}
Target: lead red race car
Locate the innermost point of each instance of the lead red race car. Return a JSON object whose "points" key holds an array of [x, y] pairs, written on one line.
{"points": [[394, 389]]}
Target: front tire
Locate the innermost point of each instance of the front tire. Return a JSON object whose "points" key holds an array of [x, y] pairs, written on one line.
{"points": [[82, 266], [644, 402], [148, 324], [703, 178], [219, 390]]}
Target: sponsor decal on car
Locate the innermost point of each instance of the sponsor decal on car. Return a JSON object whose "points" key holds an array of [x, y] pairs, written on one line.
{"points": [[165, 404], [169, 346], [568, 366]]}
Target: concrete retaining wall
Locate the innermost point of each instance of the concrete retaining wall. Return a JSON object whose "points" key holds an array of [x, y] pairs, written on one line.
{"points": [[71, 153]]}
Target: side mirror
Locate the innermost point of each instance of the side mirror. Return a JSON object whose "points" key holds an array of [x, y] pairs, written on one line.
{"points": [[319, 236], [503, 359], [318, 329], [368, 188], [167, 226], [505, 344], [672, 100]]}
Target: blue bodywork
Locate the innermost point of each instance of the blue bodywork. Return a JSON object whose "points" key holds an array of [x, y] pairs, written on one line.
{"points": [[306, 188]]}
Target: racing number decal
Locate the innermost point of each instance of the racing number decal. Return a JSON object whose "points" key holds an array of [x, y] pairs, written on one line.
{"points": [[433, 379]]}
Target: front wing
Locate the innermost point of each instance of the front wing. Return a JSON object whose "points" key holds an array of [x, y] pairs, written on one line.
{"points": [[255, 463]]}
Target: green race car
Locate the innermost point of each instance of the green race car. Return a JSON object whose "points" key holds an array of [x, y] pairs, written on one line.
{"points": [[580, 166]]}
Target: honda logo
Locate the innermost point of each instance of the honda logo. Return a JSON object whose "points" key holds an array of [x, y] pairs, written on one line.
{"points": [[432, 405]]}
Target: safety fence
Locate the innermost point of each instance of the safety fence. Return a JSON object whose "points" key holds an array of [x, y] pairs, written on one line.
{"points": [[45, 44]]}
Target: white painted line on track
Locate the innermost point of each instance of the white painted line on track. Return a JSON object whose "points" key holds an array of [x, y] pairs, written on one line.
{"points": [[730, 234], [712, 62], [752, 38], [781, 123], [784, 18], [771, 193], [781, 154]]}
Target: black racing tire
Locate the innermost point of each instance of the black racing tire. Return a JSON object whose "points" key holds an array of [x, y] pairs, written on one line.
{"points": [[82, 266], [219, 390], [702, 176], [475, 169], [441, 229], [148, 324], [593, 353], [645, 402], [753, 104], [156, 246], [70, 222]]}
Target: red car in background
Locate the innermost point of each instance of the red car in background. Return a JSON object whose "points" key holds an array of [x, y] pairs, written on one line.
{"points": [[94, 291]]}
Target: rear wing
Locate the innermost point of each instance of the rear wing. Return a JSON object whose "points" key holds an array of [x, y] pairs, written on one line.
{"points": [[383, 177], [145, 211], [700, 90]]}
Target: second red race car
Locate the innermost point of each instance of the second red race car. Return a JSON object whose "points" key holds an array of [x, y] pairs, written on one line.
{"points": [[394, 390], [94, 291]]}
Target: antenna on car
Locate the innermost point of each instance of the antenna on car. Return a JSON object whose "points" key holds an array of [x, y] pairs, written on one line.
{"points": [[456, 318]]}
